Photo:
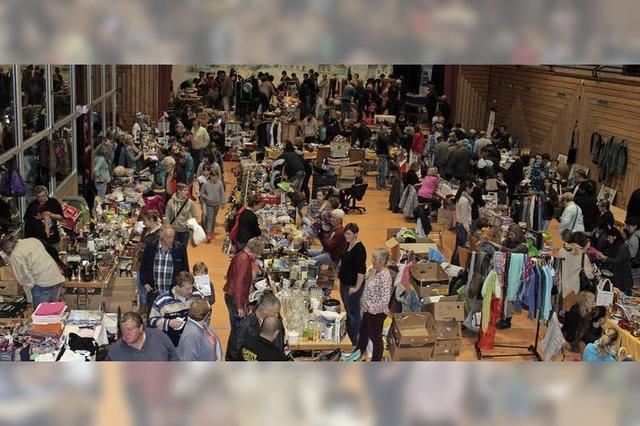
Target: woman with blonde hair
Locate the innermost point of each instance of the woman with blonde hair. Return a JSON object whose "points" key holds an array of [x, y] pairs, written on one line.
{"points": [[426, 193], [585, 301], [603, 349]]}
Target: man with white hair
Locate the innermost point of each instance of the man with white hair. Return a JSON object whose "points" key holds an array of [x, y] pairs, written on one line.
{"points": [[34, 268], [333, 242]]}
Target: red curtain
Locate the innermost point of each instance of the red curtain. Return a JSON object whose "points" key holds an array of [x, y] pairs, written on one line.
{"points": [[164, 84]]}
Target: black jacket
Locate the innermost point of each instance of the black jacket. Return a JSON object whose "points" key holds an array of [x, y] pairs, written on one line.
{"points": [[589, 206], [633, 208], [257, 348], [178, 254], [248, 226], [240, 335], [293, 163], [619, 262]]}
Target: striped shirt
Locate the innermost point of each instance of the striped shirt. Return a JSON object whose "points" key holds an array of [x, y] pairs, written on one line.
{"points": [[168, 306], [162, 269]]}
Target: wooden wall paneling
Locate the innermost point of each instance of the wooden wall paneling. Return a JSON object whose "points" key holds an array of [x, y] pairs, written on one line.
{"points": [[544, 121], [472, 96], [137, 87]]}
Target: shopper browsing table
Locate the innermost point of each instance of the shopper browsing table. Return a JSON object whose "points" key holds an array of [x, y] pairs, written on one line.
{"points": [[617, 259], [592, 326], [352, 270], [42, 216], [34, 268], [375, 306], [263, 347], [576, 316], [333, 242], [245, 223], [141, 344], [179, 210], [242, 270], [269, 306], [603, 349], [198, 342]]}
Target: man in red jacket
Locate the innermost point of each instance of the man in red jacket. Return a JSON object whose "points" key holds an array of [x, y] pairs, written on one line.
{"points": [[333, 242], [242, 270]]}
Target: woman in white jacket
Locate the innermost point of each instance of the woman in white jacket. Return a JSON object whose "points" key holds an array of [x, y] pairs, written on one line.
{"points": [[464, 201], [572, 219]]}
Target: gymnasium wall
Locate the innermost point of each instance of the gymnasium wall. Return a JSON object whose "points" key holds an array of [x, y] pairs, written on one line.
{"points": [[137, 90], [541, 107]]}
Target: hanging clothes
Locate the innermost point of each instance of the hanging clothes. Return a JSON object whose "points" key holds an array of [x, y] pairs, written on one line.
{"points": [[597, 146], [514, 277], [489, 288]]}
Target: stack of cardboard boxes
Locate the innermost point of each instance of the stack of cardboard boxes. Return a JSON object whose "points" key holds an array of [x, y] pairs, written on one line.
{"points": [[433, 335], [448, 314]]}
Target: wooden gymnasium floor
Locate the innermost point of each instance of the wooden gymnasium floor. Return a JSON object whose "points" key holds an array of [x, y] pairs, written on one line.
{"points": [[373, 230]]}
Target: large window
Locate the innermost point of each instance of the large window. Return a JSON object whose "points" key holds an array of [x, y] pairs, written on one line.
{"points": [[8, 136], [108, 77], [34, 99], [61, 81], [62, 151], [37, 121], [37, 162], [96, 81]]}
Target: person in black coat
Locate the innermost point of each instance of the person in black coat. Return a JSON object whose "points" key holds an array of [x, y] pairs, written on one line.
{"points": [[633, 208], [606, 220], [247, 224], [617, 259], [249, 326], [153, 280], [514, 175], [588, 203]]}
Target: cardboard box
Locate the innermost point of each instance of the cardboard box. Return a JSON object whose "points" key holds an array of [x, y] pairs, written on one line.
{"points": [[394, 247], [446, 350], [400, 352], [10, 288], [446, 310], [429, 279], [414, 329], [449, 330], [126, 304], [392, 232], [6, 274]]}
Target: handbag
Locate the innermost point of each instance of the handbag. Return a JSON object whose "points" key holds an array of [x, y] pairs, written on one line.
{"points": [[604, 297], [586, 284]]}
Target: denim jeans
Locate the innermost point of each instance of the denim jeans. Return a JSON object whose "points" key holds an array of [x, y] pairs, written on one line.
{"points": [[44, 294], [351, 304], [320, 257], [381, 179], [461, 240]]}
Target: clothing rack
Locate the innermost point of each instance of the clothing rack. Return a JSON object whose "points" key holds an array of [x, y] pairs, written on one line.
{"points": [[531, 350]]}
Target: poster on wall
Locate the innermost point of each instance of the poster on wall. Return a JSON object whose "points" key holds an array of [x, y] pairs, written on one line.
{"points": [[607, 193]]}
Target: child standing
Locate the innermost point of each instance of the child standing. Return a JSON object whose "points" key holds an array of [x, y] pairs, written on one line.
{"points": [[212, 192], [202, 282]]}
